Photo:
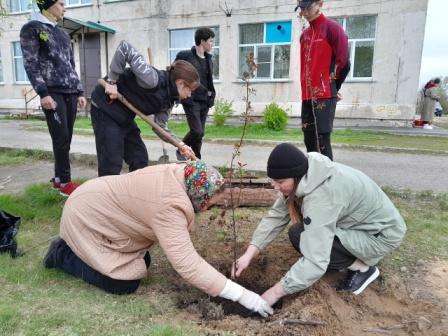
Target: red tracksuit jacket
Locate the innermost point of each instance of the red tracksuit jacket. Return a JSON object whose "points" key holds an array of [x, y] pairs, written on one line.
{"points": [[323, 50]]}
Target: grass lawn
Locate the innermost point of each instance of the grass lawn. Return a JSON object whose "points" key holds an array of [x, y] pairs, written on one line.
{"points": [[21, 156], [38, 301], [347, 137]]}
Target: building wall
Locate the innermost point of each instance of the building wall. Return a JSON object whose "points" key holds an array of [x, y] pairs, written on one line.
{"points": [[390, 94], [11, 95]]}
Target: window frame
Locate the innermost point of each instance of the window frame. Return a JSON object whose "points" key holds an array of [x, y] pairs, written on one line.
{"points": [[21, 11], [14, 58], [215, 47], [256, 46], [79, 4], [352, 46]]}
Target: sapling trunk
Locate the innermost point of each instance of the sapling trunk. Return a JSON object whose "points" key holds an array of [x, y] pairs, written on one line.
{"points": [[237, 149]]}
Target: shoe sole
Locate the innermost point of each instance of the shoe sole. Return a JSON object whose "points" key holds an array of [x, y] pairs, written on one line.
{"points": [[368, 282]]}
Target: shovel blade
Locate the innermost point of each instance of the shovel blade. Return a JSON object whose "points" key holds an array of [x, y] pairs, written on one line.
{"points": [[163, 159]]}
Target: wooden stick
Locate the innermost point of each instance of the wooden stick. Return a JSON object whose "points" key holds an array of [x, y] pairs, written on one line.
{"points": [[150, 59], [303, 322], [152, 123], [385, 330], [395, 327]]}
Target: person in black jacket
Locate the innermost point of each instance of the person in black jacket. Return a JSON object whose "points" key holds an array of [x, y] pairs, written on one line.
{"points": [[196, 108], [152, 91], [50, 66]]}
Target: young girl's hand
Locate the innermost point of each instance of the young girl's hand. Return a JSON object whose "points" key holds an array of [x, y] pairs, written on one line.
{"points": [[111, 90], [273, 294], [243, 262]]}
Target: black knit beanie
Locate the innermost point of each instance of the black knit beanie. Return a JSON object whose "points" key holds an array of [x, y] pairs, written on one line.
{"points": [[45, 4], [287, 161]]}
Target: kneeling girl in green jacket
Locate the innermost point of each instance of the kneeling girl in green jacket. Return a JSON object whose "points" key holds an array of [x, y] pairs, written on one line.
{"points": [[342, 220]]}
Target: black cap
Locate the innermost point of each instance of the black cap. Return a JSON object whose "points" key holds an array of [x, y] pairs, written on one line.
{"points": [[45, 4], [287, 161], [304, 4]]}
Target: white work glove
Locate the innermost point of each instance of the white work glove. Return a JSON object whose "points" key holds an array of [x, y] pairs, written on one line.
{"points": [[255, 302], [250, 300]]}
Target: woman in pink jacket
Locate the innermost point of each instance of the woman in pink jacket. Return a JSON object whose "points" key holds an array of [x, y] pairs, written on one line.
{"points": [[109, 223]]}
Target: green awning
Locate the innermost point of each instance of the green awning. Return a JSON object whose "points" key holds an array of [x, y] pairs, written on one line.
{"points": [[72, 26]]}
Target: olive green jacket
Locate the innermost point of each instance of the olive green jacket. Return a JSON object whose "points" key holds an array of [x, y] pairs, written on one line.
{"points": [[337, 201]]}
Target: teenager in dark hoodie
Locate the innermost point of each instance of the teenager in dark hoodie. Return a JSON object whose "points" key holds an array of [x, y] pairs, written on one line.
{"points": [[50, 66]]}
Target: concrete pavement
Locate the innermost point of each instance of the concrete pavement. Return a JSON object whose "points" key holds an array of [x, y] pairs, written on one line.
{"points": [[403, 170]]}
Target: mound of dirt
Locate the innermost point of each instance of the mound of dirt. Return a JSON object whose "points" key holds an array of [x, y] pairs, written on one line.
{"points": [[437, 279], [385, 307]]}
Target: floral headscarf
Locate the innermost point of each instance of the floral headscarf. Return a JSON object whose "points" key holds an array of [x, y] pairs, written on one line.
{"points": [[202, 181]]}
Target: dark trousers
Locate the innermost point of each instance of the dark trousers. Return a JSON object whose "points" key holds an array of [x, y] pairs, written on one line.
{"points": [[309, 137], [69, 262], [340, 258], [60, 125], [115, 143], [317, 124], [196, 114]]}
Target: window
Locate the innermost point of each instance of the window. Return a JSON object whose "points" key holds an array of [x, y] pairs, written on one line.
{"points": [[361, 37], [183, 39], [270, 44], [19, 70], [18, 6], [77, 2]]}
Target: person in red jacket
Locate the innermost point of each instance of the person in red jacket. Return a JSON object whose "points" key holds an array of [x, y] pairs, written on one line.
{"points": [[324, 64]]}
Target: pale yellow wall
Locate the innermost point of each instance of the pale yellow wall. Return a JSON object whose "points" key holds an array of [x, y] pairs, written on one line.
{"points": [[397, 59]]}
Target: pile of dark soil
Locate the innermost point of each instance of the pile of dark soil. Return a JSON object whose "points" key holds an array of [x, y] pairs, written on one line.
{"points": [[385, 307]]}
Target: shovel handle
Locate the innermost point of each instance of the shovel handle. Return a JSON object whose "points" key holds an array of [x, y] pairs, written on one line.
{"points": [[152, 123]]}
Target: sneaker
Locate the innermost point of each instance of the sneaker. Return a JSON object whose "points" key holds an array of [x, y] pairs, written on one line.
{"points": [[357, 281], [427, 126], [180, 157], [54, 184], [67, 188], [50, 257]]}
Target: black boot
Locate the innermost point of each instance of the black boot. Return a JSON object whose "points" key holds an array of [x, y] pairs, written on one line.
{"points": [[50, 258]]}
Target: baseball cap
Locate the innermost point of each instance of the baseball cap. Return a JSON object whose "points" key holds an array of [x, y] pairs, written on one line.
{"points": [[304, 4]]}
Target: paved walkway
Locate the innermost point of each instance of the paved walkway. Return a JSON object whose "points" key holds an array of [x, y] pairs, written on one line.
{"points": [[436, 131], [412, 171]]}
